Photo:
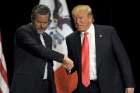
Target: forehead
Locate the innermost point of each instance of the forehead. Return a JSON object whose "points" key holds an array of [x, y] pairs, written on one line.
{"points": [[42, 18]]}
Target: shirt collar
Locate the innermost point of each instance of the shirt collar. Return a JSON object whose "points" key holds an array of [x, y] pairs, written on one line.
{"points": [[91, 29]]}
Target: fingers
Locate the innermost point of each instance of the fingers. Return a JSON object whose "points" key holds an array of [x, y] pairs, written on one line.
{"points": [[68, 63]]}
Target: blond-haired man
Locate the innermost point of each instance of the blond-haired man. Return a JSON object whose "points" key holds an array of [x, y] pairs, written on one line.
{"points": [[108, 68]]}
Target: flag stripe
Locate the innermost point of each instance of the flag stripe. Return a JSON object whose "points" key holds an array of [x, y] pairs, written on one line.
{"points": [[0, 90], [3, 72], [2, 60], [4, 86]]}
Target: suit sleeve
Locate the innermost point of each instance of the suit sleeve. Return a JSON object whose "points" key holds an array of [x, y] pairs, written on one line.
{"points": [[27, 41], [123, 60], [70, 54]]}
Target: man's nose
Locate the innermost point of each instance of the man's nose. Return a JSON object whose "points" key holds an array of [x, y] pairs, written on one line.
{"points": [[42, 25], [77, 21]]}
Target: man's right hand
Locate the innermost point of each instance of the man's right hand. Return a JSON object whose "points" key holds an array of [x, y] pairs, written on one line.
{"points": [[68, 63]]}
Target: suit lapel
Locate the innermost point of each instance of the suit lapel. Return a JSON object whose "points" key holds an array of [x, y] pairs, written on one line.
{"points": [[77, 47], [48, 41], [46, 37], [98, 37]]}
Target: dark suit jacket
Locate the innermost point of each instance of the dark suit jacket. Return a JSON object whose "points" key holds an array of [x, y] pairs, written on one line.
{"points": [[30, 57], [113, 66]]}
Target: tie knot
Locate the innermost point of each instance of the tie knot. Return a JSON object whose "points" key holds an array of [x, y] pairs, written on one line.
{"points": [[85, 33]]}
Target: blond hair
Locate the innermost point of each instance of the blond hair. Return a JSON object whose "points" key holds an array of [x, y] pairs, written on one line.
{"points": [[79, 8]]}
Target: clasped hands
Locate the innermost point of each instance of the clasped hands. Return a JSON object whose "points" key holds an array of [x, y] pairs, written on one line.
{"points": [[68, 63]]}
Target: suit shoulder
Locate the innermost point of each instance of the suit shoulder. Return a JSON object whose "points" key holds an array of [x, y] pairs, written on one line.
{"points": [[22, 28], [72, 35], [105, 28], [26, 26]]}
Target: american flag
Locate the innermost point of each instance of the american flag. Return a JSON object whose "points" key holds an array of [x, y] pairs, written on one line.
{"points": [[3, 72], [59, 28]]}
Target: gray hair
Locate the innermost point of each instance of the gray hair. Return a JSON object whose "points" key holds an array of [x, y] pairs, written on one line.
{"points": [[41, 10]]}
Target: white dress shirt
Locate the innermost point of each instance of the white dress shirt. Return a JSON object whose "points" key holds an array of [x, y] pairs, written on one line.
{"points": [[43, 43], [92, 51]]}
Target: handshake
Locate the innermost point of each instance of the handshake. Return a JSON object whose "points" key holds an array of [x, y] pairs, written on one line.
{"points": [[68, 63]]}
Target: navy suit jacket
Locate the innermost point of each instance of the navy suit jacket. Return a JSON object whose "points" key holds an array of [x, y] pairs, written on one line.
{"points": [[30, 57], [113, 66]]}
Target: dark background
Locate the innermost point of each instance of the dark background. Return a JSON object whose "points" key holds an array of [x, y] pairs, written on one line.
{"points": [[120, 14]]}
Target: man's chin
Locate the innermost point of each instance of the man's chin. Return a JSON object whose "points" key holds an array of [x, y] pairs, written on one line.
{"points": [[81, 30], [41, 31]]}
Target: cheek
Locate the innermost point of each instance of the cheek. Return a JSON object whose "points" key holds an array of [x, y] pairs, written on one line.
{"points": [[85, 23], [46, 25], [36, 24]]}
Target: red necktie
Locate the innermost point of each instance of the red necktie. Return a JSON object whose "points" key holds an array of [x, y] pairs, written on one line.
{"points": [[85, 61]]}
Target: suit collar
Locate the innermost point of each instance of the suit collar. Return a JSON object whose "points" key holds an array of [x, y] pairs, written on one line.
{"points": [[34, 32], [76, 43]]}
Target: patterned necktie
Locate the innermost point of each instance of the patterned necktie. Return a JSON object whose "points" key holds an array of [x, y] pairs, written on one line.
{"points": [[85, 61]]}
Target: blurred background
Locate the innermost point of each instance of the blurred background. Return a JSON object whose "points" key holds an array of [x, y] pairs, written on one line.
{"points": [[120, 14]]}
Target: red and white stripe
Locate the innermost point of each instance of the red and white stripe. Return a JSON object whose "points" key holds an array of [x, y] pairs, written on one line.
{"points": [[3, 72]]}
